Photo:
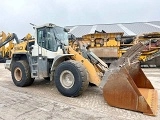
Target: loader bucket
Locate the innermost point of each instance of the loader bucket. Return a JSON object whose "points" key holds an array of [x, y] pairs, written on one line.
{"points": [[126, 86]]}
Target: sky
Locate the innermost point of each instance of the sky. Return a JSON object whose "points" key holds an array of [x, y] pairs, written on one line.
{"points": [[15, 15]]}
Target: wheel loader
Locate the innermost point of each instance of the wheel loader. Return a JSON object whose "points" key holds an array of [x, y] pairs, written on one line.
{"points": [[124, 84]]}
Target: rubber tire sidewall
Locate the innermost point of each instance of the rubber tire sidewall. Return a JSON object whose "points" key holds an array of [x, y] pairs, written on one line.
{"points": [[76, 88], [24, 81]]}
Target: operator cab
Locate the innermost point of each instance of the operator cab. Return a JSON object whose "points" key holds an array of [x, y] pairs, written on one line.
{"points": [[50, 38]]}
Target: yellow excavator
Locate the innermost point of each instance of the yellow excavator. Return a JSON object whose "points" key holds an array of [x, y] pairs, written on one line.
{"points": [[124, 84], [6, 50]]}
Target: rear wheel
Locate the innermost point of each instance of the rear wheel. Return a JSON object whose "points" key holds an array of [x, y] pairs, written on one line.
{"points": [[21, 74], [71, 78]]}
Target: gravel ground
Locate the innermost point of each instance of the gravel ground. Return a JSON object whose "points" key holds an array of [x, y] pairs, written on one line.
{"points": [[42, 101]]}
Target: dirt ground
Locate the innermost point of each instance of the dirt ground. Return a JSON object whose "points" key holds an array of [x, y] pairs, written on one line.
{"points": [[42, 101]]}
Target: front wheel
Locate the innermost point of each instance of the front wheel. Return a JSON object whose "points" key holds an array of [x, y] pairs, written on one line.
{"points": [[21, 74], [71, 78]]}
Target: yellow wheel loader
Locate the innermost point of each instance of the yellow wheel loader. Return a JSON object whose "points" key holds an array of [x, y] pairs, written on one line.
{"points": [[124, 84]]}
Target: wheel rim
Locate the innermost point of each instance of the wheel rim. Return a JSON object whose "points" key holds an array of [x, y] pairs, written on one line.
{"points": [[67, 79], [18, 74]]}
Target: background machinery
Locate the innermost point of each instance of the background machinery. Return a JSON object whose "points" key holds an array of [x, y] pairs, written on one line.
{"points": [[5, 51], [151, 53], [124, 84], [7, 44], [111, 46], [106, 46]]}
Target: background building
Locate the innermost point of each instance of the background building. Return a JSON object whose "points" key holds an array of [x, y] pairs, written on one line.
{"points": [[129, 29]]}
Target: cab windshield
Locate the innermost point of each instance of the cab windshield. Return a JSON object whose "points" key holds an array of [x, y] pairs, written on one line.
{"points": [[60, 35]]}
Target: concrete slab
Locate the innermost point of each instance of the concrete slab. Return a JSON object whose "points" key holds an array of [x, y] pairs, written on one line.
{"points": [[42, 101]]}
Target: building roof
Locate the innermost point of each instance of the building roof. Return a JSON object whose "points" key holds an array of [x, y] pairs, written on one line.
{"points": [[129, 29]]}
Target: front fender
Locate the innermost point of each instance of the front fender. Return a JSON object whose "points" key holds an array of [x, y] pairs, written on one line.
{"points": [[59, 59]]}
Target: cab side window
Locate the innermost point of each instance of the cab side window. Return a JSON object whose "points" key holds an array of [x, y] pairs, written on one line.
{"points": [[46, 39], [41, 37]]}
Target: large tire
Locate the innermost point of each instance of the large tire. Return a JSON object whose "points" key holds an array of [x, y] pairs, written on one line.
{"points": [[21, 74], [71, 78]]}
